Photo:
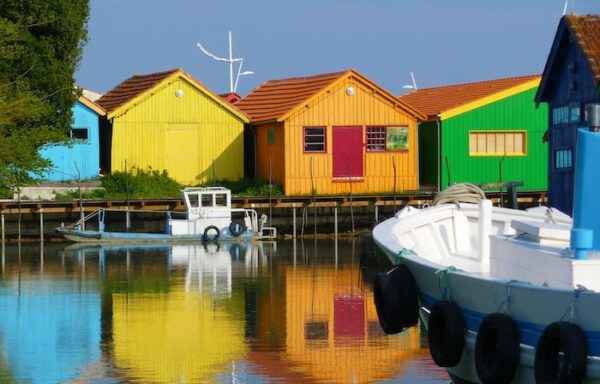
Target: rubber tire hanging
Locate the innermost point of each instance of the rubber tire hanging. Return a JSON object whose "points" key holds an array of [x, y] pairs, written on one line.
{"points": [[237, 232], [446, 332], [396, 299], [497, 349], [549, 367], [206, 235]]}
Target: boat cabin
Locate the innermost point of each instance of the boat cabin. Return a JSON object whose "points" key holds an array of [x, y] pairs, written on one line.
{"points": [[209, 213]]}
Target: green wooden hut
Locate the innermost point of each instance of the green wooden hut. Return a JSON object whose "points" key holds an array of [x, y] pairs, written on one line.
{"points": [[483, 132]]}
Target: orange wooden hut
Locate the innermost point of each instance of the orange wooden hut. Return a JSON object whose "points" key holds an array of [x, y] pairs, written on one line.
{"points": [[331, 133]]}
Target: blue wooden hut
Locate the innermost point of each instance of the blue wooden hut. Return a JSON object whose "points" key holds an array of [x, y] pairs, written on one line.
{"points": [[571, 81], [83, 156]]}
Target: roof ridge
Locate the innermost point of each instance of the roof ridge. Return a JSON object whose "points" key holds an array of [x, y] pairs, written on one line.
{"points": [[166, 72], [473, 83], [308, 77], [584, 29]]}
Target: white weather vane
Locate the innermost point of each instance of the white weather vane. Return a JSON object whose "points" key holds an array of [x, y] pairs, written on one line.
{"points": [[232, 85]]}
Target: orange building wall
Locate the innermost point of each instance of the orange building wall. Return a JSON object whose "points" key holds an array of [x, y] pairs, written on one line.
{"points": [[270, 153], [336, 108]]}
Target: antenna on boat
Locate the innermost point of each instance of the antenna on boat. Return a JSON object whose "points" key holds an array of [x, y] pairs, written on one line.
{"points": [[230, 60]]}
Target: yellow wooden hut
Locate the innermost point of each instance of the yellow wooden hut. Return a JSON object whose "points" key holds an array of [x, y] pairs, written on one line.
{"points": [[331, 133], [170, 121]]}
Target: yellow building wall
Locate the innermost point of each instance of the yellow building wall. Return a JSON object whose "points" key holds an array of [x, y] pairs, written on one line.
{"points": [[193, 137], [336, 108]]}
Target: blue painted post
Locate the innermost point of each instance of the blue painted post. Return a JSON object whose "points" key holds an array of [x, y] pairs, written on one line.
{"points": [[586, 209]]}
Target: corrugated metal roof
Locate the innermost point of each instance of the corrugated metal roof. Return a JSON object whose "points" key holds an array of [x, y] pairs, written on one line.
{"points": [[131, 88], [431, 101], [586, 30], [275, 98]]}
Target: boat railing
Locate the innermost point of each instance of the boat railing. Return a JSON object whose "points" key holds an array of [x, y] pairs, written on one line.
{"points": [[101, 213], [258, 225]]}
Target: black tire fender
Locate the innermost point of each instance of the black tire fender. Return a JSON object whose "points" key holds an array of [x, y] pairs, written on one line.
{"points": [[446, 333], [396, 299], [236, 228], [550, 365], [206, 236], [497, 349]]}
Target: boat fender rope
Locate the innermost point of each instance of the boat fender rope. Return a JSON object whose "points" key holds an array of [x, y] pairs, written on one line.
{"points": [[443, 282], [505, 303], [402, 254], [571, 310]]}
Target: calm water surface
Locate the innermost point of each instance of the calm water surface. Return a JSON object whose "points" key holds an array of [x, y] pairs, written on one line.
{"points": [[285, 312]]}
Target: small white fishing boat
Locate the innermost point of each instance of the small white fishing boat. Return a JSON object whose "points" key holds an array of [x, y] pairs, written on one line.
{"points": [[507, 296], [209, 216]]}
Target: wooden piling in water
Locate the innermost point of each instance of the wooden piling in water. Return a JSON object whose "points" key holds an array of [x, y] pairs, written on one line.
{"points": [[294, 221], [42, 225], [335, 220]]}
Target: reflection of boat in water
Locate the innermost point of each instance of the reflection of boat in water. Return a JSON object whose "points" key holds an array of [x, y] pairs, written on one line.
{"points": [[209, 216], [208, 265], [507, 295], [176, 321]]}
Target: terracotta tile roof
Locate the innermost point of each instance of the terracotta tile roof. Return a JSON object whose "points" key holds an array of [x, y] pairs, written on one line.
{"points": [[274, 98], [431, 101], [231, 97], [131, 88], [586, 30]]}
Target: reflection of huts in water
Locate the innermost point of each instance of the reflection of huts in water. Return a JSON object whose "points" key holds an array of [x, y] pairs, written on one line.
{"points": [[165, 333], [331, 331], [35, 346], [174, 337], [157, 329]]}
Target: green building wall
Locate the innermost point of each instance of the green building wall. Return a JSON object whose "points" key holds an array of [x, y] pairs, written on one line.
{"points": [[517, 112]]}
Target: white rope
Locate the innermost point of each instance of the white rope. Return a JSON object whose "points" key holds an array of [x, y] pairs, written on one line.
{"points": [[460, 193]]}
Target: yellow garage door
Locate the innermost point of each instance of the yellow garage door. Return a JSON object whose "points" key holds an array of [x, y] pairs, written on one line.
{"points": [[181, 152]]}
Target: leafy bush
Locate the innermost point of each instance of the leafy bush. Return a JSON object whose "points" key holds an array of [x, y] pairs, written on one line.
{"points": [[74, 195], [140, 184], [246, 187]]}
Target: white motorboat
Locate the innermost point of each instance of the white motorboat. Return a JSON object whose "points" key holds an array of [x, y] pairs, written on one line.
{"points": [[507, 296], [209, 216]]}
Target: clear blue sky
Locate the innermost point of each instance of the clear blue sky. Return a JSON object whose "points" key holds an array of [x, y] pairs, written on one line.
{"points": [[441, 41]]}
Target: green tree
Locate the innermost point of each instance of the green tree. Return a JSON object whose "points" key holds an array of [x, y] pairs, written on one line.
{"points": [[40, 45]]}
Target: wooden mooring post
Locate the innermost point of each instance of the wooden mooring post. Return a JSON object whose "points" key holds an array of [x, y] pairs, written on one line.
{"points": [[42, 225], [335, 220], [294, 221]]}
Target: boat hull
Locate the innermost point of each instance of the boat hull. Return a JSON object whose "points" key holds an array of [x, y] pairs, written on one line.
{"points": [[532, 307], [96, 237]]}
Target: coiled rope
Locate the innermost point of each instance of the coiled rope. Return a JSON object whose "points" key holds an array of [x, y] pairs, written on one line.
{"points": [[460, 193]]}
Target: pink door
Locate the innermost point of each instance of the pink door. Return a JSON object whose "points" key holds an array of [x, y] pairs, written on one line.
{"points": [[347, 151]]}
